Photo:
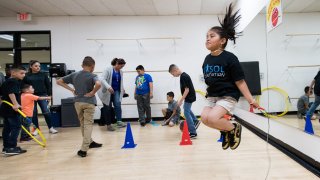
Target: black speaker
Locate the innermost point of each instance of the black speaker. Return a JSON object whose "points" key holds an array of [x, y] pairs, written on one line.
{"points": [[9, 65], [58, 70], [252, 76], [69, 117], [70, 71]]}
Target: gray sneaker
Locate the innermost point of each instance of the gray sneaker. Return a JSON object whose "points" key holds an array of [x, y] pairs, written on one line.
{"points": [[121, 124], [110, 128]]}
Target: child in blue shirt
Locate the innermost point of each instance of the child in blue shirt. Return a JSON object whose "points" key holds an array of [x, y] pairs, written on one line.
{"points": [[143, 93]]}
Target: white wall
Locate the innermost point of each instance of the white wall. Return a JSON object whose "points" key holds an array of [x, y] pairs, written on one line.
{"points": [[70, 45]]}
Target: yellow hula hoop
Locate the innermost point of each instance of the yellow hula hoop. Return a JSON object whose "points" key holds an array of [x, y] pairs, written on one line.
{"points": [[44, 141], [282, 92]]}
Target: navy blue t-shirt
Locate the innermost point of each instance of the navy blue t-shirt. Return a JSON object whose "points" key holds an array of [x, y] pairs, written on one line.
{"points": [[116, 80], [220, 74]]}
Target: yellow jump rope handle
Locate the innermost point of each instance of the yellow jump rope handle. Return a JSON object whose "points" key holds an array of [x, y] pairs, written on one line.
{"points": [[44, 141]]}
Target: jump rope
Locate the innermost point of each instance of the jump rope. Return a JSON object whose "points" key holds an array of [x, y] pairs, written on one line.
{"points": [[43, 141], [263, 111]]}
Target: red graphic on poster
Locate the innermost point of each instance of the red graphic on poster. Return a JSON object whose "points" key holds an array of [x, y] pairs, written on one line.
{"points": [[275, 15]]}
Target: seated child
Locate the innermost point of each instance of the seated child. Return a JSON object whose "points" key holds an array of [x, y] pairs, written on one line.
{"points": [[303, 104], [172, 113], [27, 105]]}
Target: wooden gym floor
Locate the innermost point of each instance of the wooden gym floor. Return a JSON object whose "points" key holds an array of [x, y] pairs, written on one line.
{"points": [[157, 156]]}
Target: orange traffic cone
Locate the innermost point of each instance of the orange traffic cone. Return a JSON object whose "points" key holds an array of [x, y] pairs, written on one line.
{"points": [[185, 140]]}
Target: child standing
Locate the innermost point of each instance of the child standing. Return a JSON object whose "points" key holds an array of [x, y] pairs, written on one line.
{"points": [[188, 96], [315, 85], [225, 80], [85, 84], [27, 106], [12, 125], [143, 93], [172, 113]]}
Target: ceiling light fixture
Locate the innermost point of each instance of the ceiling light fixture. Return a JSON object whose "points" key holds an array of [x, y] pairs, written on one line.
{"points": [[9, 37]]}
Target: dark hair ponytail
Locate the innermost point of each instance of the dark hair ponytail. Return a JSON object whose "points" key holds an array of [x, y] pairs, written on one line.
{"points": [[31, 63], [228, 25], [116, 61]]}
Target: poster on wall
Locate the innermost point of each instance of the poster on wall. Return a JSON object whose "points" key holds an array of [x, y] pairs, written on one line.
{"points": [[274, 14]]}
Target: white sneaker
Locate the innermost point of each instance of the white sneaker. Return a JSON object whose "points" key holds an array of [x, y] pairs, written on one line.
{"points": [[35, 133], [53, 131]]}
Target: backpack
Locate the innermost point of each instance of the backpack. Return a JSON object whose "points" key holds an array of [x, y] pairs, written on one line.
{"points": [[107, 114]]}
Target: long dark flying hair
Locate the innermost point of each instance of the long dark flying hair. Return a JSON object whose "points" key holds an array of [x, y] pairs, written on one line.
{"points": [[227, 25]]}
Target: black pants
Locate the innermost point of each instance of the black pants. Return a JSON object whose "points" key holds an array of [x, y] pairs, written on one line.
{"points": [[11, 130], [107, 115]]}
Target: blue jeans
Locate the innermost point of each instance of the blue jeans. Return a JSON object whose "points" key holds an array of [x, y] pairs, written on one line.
{"points": [[190, 117], [10, 132], [115, 100], [314, 106], [45, 111]]}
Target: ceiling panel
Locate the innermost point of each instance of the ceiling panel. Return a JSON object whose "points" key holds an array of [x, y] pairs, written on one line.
{"points": [[215, 7], [286, 3], [143, 7], [9, 8], [5, 12], [17, 6], [71, 7], [298, 6], [119, 7], [95, 7], [314, 7], [166, 7], [190, 6], [45, 7]]}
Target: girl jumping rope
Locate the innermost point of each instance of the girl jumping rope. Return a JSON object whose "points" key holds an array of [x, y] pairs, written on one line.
{"points": [[225, 80]]}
